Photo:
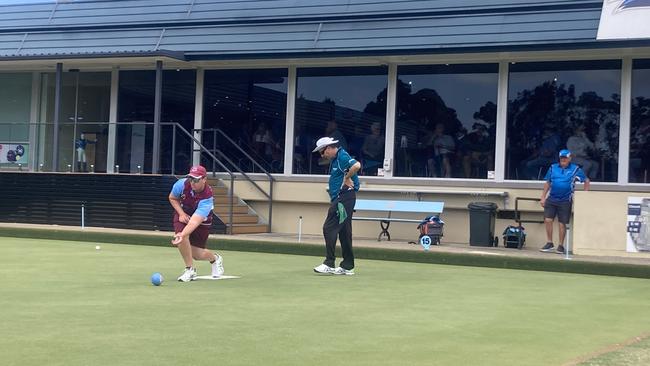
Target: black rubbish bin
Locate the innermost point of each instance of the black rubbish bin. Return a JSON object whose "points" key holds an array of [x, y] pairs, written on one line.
{"points": [[482, 216]]}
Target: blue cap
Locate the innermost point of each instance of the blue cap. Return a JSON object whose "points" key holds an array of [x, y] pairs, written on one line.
{"points": [[565, 153]]}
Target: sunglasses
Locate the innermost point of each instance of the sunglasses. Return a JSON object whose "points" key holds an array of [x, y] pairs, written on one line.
{"points": [[322, 152], [194, 180]]}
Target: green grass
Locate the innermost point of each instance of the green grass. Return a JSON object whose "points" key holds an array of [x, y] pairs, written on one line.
{"points": [[637, 353], [65, 303], [432, 257]]}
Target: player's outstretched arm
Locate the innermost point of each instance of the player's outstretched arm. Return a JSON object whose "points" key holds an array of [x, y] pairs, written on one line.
{"points": [[194, 222]]}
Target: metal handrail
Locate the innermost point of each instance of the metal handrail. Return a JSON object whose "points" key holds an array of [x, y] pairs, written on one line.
{"points": [[269, 195], [201, 148]]}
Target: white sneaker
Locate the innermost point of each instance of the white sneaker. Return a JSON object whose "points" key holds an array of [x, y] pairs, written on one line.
{"points": [[323, 268], [217, 267], [188, 275], [343, 271]]}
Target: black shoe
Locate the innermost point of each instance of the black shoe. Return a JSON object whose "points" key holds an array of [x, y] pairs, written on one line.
{"points": [[547, 248], [560, 249]]}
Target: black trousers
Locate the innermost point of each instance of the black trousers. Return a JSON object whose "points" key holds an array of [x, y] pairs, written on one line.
{"points": [[334, 227]]}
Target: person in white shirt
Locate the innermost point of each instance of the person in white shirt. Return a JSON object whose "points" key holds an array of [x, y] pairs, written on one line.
{"points": [[580, 145]]}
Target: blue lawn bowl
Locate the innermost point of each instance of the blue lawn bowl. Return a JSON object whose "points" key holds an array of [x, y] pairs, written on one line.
{"points": [[157, 279], [425, 241]]}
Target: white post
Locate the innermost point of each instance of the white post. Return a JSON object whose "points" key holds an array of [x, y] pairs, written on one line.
{"points": [[502, 121], [625, 122], [198, 114], [391, 106], [83, 216], [567, 240], [289, 137], [112, 120], [299, 229]]}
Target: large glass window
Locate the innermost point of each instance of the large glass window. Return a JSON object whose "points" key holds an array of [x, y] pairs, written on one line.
{"points": [[640, 123], [15, 101], [136, 102], [556, 105], [446, 120], [346, 103], [83, 120], [249, 107]]}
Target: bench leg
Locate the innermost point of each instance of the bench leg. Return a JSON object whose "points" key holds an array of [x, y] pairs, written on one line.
{"points": [[384, 230]]}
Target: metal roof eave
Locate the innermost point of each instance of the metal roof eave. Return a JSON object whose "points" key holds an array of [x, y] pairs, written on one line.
{"points": [[564, 46], [175, 55]]}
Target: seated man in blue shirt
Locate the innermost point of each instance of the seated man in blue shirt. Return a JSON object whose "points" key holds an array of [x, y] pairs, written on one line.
{"points": [[560, 181]]}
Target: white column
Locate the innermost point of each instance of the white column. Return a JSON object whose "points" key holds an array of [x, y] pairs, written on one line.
{"points": [[33, 122], [198, 114], [391, 105], [624, 127], [290, 121], [112, 121], [502, 123]]}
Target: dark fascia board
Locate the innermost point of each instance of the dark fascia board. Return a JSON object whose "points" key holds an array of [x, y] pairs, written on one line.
{"points": [[176, 55], [197, 56], [586, 5]]}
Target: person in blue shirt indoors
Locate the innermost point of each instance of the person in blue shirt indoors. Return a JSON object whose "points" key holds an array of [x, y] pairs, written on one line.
{"points": [[343, 185], [557, 197]]}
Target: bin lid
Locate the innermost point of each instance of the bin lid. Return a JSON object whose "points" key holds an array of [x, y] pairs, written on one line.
{"points": [[483, 206]]}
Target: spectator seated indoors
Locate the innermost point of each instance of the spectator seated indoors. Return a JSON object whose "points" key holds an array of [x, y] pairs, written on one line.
{"points": [[373, 150], [580, 146], [444, 148], [477, 152], [543, 157], [640, 152]]}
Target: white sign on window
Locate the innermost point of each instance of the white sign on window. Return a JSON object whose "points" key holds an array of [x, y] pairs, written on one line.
{"points": [[624, 19], [13, 153]]}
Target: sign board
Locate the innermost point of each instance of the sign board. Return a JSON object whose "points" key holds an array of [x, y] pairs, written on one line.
{"points": [[14, 154], [624, 20], [638, 224]]}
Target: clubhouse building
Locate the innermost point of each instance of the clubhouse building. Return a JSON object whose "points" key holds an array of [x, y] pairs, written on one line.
{"points": [[446, 101]]}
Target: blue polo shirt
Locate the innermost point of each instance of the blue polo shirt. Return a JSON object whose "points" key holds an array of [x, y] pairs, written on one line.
{"points": [[338, 167], [563, 181]]}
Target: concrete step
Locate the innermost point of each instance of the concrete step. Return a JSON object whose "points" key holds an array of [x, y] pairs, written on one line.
{"points": [[249, 228], [219, 190], [239, 218], [225, 198], [221, 209]]}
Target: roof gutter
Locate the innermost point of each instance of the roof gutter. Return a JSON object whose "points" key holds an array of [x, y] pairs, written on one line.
{"points": [[176, 55]]}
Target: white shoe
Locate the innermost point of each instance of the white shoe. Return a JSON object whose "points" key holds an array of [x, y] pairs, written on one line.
{"points": [[343, 271], [217, 267], [188, 275], [323, 268]]}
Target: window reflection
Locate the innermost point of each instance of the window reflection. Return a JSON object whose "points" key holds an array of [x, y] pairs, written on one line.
{"points": [[15, 100], [556, 105], [136, 104], [640, 123], [249, 106], [347, 104], [446, 120]]}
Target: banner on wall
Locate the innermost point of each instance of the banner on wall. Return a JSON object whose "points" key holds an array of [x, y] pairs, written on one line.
{"points": [[14, 154], [638, 224], [624, 19]]}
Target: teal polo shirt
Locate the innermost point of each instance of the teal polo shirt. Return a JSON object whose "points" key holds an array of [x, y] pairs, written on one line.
{"points": [[338, 168]]}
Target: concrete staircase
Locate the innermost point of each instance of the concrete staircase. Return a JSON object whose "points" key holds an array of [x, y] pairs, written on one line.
{"points": [[244, 219]]}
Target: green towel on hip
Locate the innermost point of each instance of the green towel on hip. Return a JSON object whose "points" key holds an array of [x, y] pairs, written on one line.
{"points": [[342, 213]]}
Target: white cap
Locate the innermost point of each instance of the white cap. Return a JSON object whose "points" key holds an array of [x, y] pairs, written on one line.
{"points": [[324, 142]]}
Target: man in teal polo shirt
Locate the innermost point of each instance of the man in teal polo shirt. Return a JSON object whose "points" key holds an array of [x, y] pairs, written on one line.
{"points": [[343, 184], [557, 197]]}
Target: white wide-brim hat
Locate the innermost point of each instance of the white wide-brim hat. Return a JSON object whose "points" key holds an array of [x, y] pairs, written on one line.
{"points": [[324, 142]]}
